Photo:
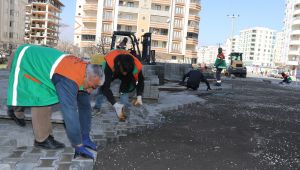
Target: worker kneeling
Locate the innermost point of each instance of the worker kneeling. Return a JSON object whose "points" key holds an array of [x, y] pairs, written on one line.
{"points": [[120, 64], [286, 78], [194, 79], [43, 76]]}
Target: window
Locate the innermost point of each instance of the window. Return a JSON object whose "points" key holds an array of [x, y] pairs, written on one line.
{"points": [[167, 8], [79, 6], [11, 23], [164, 44], [178, 10], [107, 15], [119, 27], [130, 4], [128, 28], [194, 60], [155, 43], [164, 32], [11, 35], [106, 27], [173, 57], [157, 7], [88, 37]]}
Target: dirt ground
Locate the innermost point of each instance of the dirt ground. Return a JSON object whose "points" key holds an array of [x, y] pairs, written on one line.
{"points": [[254, 126]]}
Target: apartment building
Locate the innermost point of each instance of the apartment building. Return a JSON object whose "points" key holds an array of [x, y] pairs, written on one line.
{"points": [[208, 54], [258, 44], [279, 59], [174, 24], [42, 22], [291, 50], [12, 16]]}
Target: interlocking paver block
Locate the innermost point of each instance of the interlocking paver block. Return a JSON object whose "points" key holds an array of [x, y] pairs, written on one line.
{"points": [[66, 158], [46, 163], [64, 166]]}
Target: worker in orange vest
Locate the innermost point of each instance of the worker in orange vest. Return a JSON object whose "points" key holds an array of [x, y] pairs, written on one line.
{"points": [[120, 64]]}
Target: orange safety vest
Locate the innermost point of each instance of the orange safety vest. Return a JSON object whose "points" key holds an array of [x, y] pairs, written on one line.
{"points": [[110, 60]]}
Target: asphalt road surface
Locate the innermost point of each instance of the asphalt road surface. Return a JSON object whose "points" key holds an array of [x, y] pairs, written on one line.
{"points": [[255, 125]]}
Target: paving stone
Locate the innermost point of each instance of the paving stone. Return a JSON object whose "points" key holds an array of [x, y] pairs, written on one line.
{"points": [[51, 154], [46, 163], [84, 163], [26, 166], [66, 158], [68, 150], [5, 166], [6, 141], [64, 166]]}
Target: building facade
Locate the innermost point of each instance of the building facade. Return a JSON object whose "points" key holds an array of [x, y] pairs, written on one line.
{"points": [[42, 22], [257, 45], [174, 24], [279, 59], [291, 50], [12, 16]]}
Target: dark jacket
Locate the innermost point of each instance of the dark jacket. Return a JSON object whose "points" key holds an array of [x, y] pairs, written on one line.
{"points": [[128, 84], [194, 79]]}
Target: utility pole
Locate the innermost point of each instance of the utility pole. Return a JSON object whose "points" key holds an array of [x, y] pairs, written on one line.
{"points": [[232, 17]]}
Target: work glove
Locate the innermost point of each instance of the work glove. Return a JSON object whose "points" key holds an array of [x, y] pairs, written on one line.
{"points": [[138, 101], [119, 108]]}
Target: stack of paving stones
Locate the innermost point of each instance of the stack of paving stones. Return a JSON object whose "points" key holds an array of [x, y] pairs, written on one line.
{"points": [[151, 83], [175, 72]]}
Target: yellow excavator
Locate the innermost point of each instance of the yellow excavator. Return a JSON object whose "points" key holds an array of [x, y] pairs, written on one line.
{"points": [[236, 66]]}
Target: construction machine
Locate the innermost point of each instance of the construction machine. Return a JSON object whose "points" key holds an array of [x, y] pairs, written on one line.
{"points": [[146, 56], [237, 66]]}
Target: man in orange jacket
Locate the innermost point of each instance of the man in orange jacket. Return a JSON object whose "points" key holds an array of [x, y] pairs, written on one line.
{"points": [[120, 64]]}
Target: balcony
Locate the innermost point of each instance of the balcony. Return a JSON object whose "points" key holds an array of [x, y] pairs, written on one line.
{"points": [[194, 18], [180, 3], [91, 19], [193, 29], [164, 2], [292, 63], [88, 31], [297, 12], [192, 41], [123, 21], [295, 32], [179, 15], [296, 21], [87, 44], [107, 19], [159, 49], [294, 52], [191, 53], [90, 7], [195, 6], [178, 26], [159, 37], [295, 42], [159, 25]]}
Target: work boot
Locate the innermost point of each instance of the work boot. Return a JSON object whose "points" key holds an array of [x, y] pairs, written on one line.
{"points": [[87, 142], [83, 152], [19, 121], [49, 143]]}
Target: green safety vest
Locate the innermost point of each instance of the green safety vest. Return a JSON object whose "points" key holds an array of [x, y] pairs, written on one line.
{"points": [[219, 63], [30, 78]]}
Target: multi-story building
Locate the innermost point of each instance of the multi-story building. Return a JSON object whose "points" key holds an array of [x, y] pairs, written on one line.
{"points": [[42, 21], [208, 54], [279, 59], [174, 24], [291, 50], [257, 45], [12, 16]]}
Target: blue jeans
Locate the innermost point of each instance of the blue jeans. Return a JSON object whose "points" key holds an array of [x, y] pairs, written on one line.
{"points": [[75, 107]]}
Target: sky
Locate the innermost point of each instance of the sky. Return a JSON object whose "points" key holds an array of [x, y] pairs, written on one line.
{"points": [[215, 25]]}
